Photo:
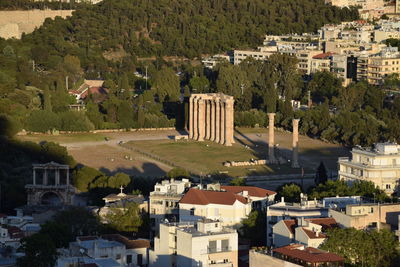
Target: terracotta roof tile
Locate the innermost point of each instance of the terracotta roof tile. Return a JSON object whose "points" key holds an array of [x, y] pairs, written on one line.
{"points": [[326, 223], [291, 225], [312, 234], [311, 255], [129, 244], [252, 190], [204, 197]]}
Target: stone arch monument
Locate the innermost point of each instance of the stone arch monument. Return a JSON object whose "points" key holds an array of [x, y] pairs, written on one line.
{"points": [[51, 185]]}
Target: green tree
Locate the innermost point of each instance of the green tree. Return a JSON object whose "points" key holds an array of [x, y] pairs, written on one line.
{"points": [[42, 121], [118, 180], [291, 192], [321, 176], [47, 100], [378, 247], [125, 114], [178, 173], [140, 112], [126, 218], [166, 85], [9, 126], [238, 181], [84, 176], [94, 115], [39, 251], [253, 228]]}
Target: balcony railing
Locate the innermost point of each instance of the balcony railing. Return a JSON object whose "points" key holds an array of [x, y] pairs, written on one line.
{"points": [[216, 250]]}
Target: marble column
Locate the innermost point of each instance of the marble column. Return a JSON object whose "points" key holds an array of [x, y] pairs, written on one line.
{"points": [[223, 123], [271, 138], [228, 123], [195, 119], [201, 120], [208, 119], [295, 153], [217, 120], [212, 137], [34, 176], [191, 111], [57, 174], [45, 176], [67, 176]]}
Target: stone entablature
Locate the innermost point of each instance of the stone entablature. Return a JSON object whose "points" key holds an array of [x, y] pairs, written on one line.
{"points": [[211, 117]]}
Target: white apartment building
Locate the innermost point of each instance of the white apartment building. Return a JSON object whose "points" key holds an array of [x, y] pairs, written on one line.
{"points": [[380, 165], [205, 244], [261, 53], [211, 62], [228, 207], [291, 211], [309, 232], [164, 201]]}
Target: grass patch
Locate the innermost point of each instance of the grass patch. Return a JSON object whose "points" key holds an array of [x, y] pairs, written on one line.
{"points": [[63, 138], [207, 157]]}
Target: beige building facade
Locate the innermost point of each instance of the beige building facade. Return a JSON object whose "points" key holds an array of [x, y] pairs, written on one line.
{"points": [[205, 244], [211, 117], [380, 165], [370, 215]]}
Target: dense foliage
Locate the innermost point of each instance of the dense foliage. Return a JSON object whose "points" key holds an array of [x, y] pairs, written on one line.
{"points": [[363, 248], [108, 41]]}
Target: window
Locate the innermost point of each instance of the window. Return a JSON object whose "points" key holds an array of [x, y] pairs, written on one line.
{"points": [[192, 212], [128, 259], [212, 246], [388, 186], [118, 257], [225, 245], [139, 259]]}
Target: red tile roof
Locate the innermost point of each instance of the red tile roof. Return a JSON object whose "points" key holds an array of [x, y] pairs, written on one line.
{"points": [[326, 223], [312, 234], [129, 244], [252, 190], [204, 197], [310, 255], [323, 55], [95, 90], [291, 225]]}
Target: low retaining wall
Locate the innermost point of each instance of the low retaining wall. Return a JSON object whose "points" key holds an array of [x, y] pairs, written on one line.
{"points": [[105, 131]]}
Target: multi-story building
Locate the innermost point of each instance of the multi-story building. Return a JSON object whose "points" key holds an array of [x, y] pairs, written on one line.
{"points": [[309, 232], [304, 58], [228, 207], [321, 62], [164, 201], [367, 216], [383, 64], [261, 53], [206, 243], [211, 62], [291, 211], [380, 165]]}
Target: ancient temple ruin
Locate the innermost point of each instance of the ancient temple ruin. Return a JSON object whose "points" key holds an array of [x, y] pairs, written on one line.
{"points": [[211, 118]]}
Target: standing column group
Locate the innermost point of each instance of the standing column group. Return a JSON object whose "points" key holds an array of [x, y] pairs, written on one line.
{"points": [[211, 118]]}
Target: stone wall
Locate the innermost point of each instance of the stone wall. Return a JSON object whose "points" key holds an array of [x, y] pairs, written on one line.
{"points": [[14, 23]]}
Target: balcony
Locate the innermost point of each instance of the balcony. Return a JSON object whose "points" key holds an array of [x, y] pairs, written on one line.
{"points": [[216, 250], [221, 264]]}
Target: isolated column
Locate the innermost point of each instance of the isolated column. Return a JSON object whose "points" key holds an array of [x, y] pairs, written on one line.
{"points": [[228, 123], [223, 123], [191, 111], [212, 104], [217, 120], [201, 120], [295, 154], [271, 138]]}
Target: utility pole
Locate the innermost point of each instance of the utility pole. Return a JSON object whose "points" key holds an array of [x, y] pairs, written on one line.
{"points": [[66, 82]]}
